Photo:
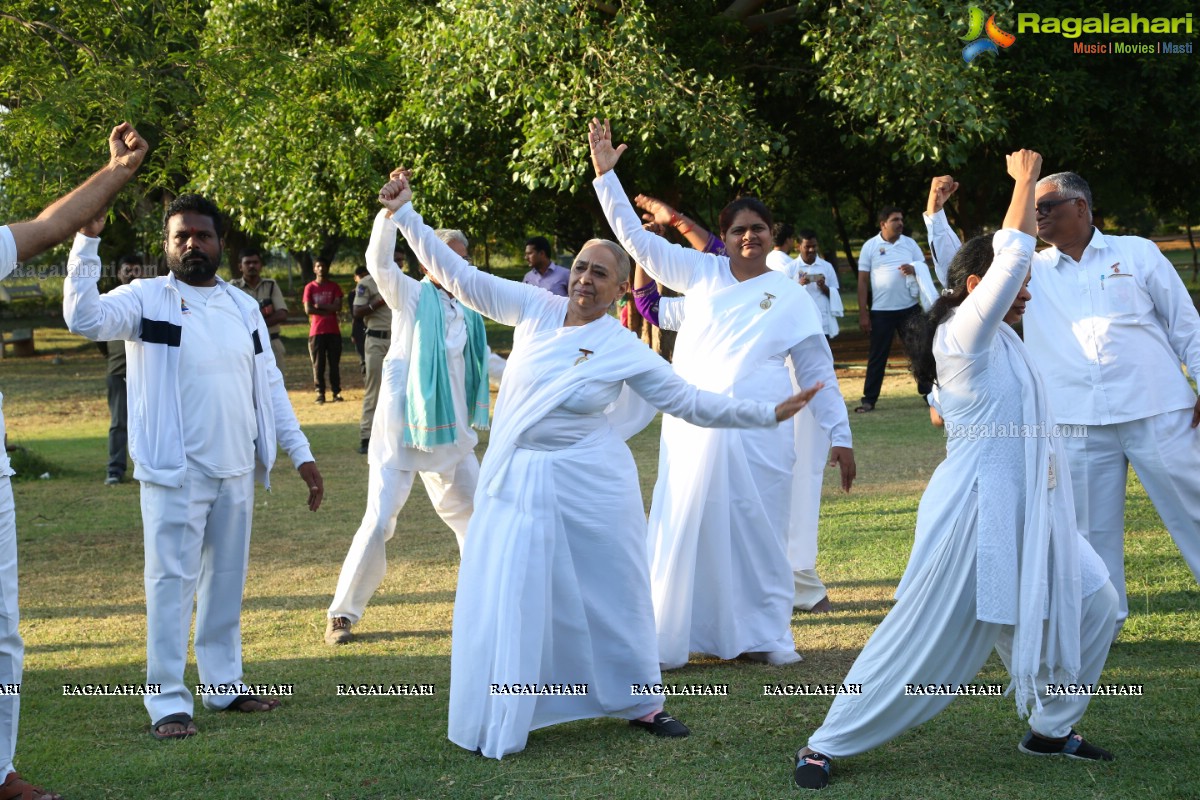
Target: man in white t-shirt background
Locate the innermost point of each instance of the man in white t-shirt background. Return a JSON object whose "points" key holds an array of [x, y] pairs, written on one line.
{"points": [[888, 297]]}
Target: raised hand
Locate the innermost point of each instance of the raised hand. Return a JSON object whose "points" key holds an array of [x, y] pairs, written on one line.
{"points": [[396, 192], [940, 189], [1024, 164], [790, 407], [656, 210], [604, 155], [126, 147]]}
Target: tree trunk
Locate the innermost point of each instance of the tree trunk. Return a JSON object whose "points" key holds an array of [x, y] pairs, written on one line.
{"points": [[1192, 242], [843, 234]]}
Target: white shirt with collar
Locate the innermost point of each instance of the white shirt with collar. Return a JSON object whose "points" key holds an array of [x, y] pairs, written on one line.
{"points": [[829, 306], [891, 289], [1110, 331]]}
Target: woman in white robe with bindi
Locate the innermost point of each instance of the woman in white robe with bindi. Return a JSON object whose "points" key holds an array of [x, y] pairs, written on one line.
{"points": [[720, 575], [552, 617]]}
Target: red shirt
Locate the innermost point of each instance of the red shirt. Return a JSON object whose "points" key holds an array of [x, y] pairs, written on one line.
{"points": [[326, 293]]}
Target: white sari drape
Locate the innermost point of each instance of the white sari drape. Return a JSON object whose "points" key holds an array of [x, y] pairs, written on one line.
{"points": [[571, 607]]}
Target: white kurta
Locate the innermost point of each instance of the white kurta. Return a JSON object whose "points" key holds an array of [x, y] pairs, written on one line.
{"points": [[721, 578], [553, 589], [996, 545]]}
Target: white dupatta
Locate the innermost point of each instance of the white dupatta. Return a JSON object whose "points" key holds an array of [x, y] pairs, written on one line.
{"points": [[547, 367], [1046, 570]]}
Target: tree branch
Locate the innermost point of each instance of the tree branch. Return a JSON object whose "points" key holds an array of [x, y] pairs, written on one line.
{"points": [[761, 22], [740, 9], [32, 25]]}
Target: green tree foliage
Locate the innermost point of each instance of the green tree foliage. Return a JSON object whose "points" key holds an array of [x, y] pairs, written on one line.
{"points": [[290, 113]]}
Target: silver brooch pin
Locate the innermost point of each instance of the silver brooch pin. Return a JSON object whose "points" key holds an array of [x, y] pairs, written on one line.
{"points": [[766, 303], [583, 357]]}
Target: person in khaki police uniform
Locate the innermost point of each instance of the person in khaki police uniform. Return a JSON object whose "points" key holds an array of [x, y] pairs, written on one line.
{"points": [[372, 309], [269, 297]]}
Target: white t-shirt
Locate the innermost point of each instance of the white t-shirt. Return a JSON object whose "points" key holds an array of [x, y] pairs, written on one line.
{"points": [[891, 289], [216, 383], [778, 260]]}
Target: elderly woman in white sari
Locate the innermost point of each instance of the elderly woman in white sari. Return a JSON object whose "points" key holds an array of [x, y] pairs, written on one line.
{"points": [[997, 561], [552, 619], [720, 575]]}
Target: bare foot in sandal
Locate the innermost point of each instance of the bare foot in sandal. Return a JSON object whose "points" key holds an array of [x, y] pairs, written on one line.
{"points": [[174, 726], [250, 703]]}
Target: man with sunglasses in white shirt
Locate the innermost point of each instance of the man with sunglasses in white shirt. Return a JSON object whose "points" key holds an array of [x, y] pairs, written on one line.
{"points": [[1110, 325]]}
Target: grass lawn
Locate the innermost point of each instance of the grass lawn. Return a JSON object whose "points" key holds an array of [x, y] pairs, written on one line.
{"points": [[83, 619]]}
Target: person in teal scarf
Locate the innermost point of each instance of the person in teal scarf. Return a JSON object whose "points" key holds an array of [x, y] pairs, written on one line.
{"points": [[434, 392]]}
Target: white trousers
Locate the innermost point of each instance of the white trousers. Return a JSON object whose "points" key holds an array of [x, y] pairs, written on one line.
{"points": [[931, 636], [1165, 452], [197, 541], [452, 494], [12, 650]]}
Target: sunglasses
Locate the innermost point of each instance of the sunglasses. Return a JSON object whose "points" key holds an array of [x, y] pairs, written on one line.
{"points": [[1046, 206]]}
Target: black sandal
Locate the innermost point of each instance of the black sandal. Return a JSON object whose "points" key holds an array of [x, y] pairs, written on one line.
{"points": [[242, 699], [182, 718]]}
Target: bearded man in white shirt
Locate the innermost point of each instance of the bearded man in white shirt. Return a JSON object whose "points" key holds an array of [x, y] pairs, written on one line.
{"points": [[206, 408], [1110, 328]]}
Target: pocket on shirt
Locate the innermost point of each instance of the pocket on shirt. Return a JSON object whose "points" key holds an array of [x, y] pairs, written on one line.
{"points": [[1124, 298]]}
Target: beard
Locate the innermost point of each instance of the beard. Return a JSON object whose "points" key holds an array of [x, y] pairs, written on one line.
{"points": [[193, 267]]}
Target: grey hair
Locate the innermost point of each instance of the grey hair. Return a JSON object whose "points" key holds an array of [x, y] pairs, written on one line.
{"points": [[1070, 185], [449, 235], [618, 253]]}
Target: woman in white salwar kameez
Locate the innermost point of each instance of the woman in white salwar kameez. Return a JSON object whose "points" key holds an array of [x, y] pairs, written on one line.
{"points": [[720, 576], [998, 561], [552, 617]]}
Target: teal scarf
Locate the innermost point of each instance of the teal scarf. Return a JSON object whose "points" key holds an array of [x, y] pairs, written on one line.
{"points": [[429, 411]]}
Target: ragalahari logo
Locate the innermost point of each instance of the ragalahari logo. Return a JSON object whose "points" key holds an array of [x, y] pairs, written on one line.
{"points": [[978, 41]]}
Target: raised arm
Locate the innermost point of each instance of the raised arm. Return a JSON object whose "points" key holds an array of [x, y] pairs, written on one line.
{"points": [[394, 285], [943, 241], [669, 264], [84, 203], [497, 298], [115, 315], [991, 297], [658, 212]]}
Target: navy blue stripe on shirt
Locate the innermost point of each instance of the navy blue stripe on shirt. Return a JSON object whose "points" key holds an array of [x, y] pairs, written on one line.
{"points": [[160, 332], [257, 342]]}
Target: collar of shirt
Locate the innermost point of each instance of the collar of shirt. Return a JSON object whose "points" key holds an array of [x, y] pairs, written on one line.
{"points": [[1098, 242]]}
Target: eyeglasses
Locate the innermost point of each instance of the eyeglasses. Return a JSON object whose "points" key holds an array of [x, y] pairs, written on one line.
{"points": [[1046, 206]]}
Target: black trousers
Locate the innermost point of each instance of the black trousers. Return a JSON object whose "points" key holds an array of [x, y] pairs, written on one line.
{"points": [[118, 437], [884, 327], [326, 348]]}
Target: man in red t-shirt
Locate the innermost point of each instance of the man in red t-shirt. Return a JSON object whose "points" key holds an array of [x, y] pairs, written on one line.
{"points": [[322, 302]]}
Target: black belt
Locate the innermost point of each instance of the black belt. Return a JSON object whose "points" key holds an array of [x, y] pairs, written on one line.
{"points": [[274, 335], [379, 334]]}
